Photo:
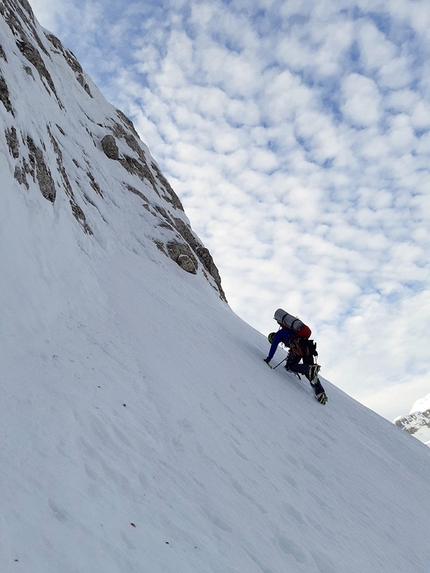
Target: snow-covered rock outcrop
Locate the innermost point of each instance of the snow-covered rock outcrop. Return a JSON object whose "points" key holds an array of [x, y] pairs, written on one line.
{"points": [[417, 422], [63, 139]]}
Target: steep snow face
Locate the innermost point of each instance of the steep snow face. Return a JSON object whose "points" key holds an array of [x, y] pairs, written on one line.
{"points": [[417, 422], [62, 141], [141, 430], [147, 434]]}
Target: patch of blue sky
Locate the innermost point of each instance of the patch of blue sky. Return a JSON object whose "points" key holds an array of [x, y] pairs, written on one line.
{"points": [[330, 97], [416, 82], [304, 142], [354, 54], [328, 163], [229, 41], [382, 20], [297, 19], [272, 145], [265, 23], [352, 12]]}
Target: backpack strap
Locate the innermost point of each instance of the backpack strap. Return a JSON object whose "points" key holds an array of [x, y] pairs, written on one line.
{"points": [[313, 347], [303, 347], [297, 348]]}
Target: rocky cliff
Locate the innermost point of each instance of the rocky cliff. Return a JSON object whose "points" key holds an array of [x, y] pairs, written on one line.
{"points": [[61, 139]]}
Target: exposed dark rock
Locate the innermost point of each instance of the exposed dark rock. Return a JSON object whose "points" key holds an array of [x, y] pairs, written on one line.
{"points": [[202, 253], [138, 193], [12, 142], [76, 210], [160, 245], [170, 195], [187, 264], [2, 54], [136, 166], [182, 255], [4, 95], [86, 87], [40, 171], [209, 264], [127, 122], [34, 57], [60, 165], [18, 13], [110, 147], [133, 144], [133, 166], [80, 216], [94, 184], [140, 166], [20, 175], [71, 61], [413, 422], [164, 225], [164, 214], [68, 55], [118, 130], [57, 44]]}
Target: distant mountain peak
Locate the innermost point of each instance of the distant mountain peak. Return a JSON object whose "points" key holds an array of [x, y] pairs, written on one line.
{"points": [[417, 422], [62, 138]]}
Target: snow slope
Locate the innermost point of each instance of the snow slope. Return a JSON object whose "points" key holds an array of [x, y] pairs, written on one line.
{"points": [[148, 435], [141, 430]]}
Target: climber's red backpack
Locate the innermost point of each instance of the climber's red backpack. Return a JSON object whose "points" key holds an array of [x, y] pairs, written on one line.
{"points": [[293, 323]]}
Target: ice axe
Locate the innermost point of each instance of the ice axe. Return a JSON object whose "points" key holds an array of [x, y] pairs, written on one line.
{"points": [[274, 368]]}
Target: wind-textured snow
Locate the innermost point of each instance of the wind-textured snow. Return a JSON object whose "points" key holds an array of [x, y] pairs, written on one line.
{"points": [[142, 432]]}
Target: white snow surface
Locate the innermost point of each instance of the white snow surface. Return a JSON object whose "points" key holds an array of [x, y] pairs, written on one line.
{"points": [[146, 434], [423, 432], [421, 405], [140, 429]]}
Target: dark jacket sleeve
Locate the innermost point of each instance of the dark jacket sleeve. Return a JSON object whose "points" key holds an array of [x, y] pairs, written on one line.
{"points": [[284, 335]]}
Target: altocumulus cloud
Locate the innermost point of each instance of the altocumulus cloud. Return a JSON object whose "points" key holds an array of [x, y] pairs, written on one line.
{"points": [[298, 137]]}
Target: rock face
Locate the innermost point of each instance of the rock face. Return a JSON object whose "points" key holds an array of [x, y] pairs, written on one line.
{"points": [[66, 142], [416, 424], [110, 147]]}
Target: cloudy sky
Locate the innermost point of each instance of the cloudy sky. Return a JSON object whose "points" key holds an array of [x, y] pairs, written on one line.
{"points": [[297, 134]]}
